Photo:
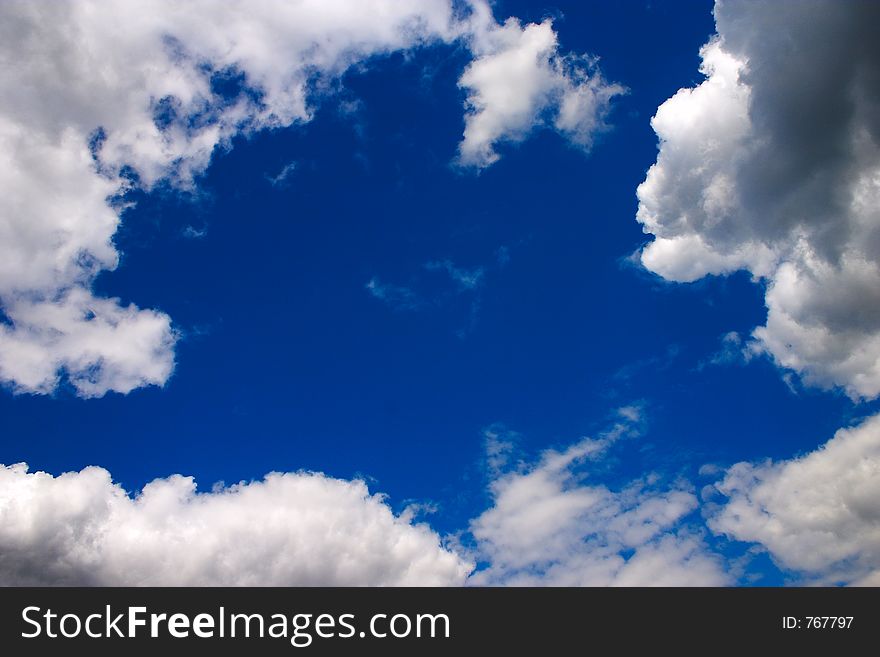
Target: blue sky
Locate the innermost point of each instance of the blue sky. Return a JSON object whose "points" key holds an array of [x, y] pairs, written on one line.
{"points": [[506, 297]]}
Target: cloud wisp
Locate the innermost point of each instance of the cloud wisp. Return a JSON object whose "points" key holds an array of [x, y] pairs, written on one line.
{"points": [[551, 525], [458, 282], [397, 297]]}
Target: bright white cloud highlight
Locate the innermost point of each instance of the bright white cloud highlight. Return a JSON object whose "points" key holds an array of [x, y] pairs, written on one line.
{"points": [[519, 80], [817, 514], [289, 529], [99, 343], [549, 525], [772, 165], [103, 90]]}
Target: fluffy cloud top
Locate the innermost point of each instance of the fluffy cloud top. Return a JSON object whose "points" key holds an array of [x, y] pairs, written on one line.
{"points": [[517, 78], [101, 344], [551, 522], [289, 529], [817, 514], [772, 165], [550, 526], [547, 526], [111, 95]]}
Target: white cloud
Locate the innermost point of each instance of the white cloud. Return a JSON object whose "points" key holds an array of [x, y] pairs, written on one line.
{"points": [[99, 343], [135, 81], [288, 529], [816, 514], [772, 165], [549, 525], [107, 89], [518, 80]]}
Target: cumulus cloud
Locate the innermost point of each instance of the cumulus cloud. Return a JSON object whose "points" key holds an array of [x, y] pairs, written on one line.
{"points": [[301, 528], [518, 80], [549, 525], [816, 514], [99, 343], [111, 96], [772, 165]]}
